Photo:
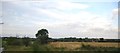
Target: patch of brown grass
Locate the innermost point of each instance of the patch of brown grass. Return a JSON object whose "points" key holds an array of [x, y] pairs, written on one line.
{"points": [[68, 45], [74, 45], [103, 44]]}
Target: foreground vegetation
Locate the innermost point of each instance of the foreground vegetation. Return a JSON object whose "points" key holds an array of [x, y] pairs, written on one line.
{"points": [[67, 46], [42, 42]]}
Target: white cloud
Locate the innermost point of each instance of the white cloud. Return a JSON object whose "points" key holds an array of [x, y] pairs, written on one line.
{"points": [[70, 0], [115, 13], [82, 23], [81, 17], [63, 5], [79, 24]]}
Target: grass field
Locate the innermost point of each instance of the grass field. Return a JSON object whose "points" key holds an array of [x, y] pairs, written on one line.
{"points": [[68, 46], [74, 45], [78, 44]]}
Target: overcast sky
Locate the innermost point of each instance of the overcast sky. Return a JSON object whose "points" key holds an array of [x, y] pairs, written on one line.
{"points": [[63, 18]]}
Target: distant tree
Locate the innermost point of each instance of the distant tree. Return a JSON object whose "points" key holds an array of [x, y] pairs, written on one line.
{"points": [[101, 39], [42, 36], [80, 39], [86, 39]]}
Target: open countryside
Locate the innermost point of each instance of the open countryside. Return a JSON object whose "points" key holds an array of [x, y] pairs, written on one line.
{"points": [[59, 26]]}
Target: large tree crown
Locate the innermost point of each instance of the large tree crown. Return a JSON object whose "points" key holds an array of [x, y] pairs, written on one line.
{"points": [[42, 32]]}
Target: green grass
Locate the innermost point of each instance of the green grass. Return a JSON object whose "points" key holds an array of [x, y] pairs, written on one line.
{"points": [[17, 48]]}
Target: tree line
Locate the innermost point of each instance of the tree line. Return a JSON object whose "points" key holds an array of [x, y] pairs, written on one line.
{"points": [[42, 37]]}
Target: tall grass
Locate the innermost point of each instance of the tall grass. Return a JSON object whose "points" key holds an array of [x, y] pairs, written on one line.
{"points": [[87, 47]]}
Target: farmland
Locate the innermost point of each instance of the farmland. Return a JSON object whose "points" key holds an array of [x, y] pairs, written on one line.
{"points": [[73, 45]]}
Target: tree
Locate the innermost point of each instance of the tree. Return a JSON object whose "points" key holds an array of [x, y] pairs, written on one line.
{"points": [[42, 36], [101, 39]]}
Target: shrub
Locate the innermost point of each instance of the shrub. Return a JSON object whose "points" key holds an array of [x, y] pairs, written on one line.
{"points": [[15, 42]]}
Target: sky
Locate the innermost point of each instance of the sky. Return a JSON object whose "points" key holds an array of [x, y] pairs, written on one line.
{"points": [[62, 18]]}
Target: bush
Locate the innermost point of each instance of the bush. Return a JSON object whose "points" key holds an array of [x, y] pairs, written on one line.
{"points": [[35, 47], [15, 42], [86, 46], [26, 41]]}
